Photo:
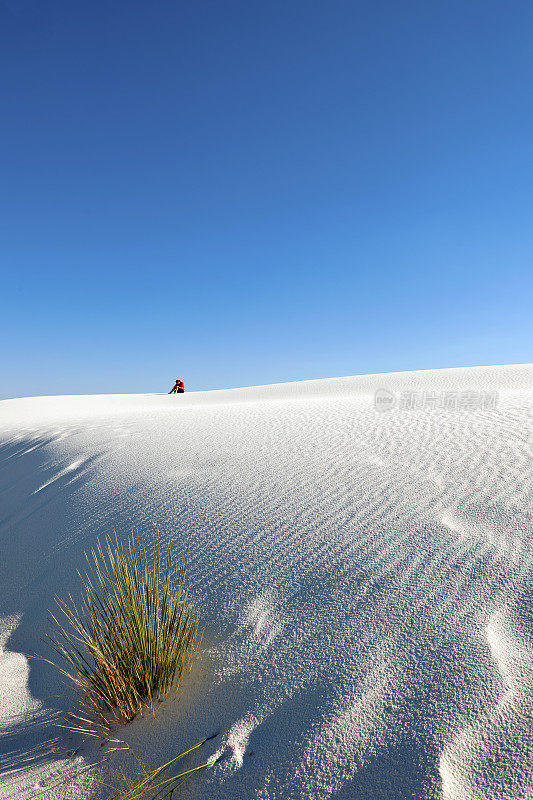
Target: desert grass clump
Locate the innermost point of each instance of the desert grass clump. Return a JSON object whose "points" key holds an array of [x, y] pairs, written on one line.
{"points": [[132, 636]]}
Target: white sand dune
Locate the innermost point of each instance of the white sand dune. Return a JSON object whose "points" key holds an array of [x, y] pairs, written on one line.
{"points": [[365, 577]]}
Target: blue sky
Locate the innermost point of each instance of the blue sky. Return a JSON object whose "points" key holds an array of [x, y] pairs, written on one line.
{"points": [[251, 192]]}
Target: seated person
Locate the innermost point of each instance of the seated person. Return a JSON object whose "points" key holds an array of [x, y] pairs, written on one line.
{"points": [[178, 387]]}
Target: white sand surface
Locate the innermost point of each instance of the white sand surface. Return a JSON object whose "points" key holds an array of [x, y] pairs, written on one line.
{"points": [[365, 578]]}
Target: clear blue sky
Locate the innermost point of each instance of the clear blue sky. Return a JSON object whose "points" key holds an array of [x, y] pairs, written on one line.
{"points": [[251, 192]]}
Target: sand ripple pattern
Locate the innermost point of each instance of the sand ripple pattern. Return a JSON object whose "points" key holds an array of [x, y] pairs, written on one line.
{"points": [[366, 577]]}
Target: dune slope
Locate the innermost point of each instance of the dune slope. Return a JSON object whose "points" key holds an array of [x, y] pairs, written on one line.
{"points": [[364, 574]]}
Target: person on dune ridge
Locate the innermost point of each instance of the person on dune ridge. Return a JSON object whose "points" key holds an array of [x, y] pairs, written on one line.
{"points": [[178, 388]]}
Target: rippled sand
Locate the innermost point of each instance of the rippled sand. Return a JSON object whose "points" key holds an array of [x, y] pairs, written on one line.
{"points": [[365, 577]]}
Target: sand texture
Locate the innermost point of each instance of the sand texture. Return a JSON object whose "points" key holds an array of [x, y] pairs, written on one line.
{"points": [[364, 575]]}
